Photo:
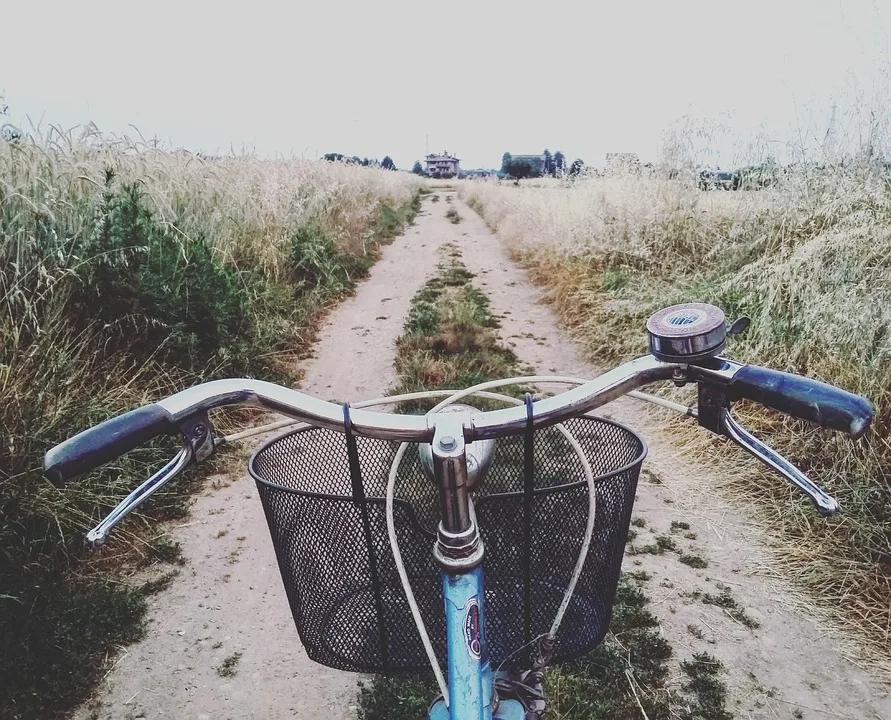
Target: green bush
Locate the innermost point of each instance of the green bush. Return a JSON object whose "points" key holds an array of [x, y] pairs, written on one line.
{"points": [[153, 289]]}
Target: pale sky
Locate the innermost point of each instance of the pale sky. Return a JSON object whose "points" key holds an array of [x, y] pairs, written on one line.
{"points": [[478, 78]]}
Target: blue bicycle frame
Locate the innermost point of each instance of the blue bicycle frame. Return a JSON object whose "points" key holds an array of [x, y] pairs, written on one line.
{"points": [[470, 676], [459, 552]]}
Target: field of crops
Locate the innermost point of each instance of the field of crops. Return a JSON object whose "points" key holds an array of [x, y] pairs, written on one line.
{"points": [[809, 260], [127, 272]]}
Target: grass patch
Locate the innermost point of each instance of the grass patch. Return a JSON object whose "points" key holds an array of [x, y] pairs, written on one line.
{"points": [[166, 550], [403, 697], [126, 275], [450, 339], [727, 602], [67, 624], [693, 560], [639, 575], [162, 582], [696, 631], [657, 547], [453, 216], [228, 666], [629, 671], [705, 687], [651, 476], [476, 205], [598, 685]]}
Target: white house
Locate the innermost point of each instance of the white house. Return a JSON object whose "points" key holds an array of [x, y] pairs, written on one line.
{"points": [[444, 164]]}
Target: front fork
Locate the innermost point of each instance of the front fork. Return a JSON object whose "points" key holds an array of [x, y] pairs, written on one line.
{"points": [[459, 552]]}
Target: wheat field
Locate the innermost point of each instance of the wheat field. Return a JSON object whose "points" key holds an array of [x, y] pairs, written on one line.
{"points": [[809, 260]]}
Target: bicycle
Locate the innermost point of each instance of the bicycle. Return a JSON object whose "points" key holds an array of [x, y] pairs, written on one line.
{"points": [[548, 486]]}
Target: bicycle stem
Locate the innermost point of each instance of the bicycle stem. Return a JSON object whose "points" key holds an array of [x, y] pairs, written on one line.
{"points": [[458, 546]]}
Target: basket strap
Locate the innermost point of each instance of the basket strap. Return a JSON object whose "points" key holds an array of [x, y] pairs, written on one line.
{"points": [[360, 501], [528, 487]]}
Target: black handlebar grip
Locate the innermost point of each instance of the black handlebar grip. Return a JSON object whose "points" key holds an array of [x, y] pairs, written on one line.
{"points": [[106, 442], [803, 398]]}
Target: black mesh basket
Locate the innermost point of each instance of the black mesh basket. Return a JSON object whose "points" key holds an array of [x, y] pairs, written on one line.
{"points": [[330, 537]]}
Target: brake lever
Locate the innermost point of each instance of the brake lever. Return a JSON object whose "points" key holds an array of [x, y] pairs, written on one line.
{"points": [[99, 534], [826, 504], [199, 443]]}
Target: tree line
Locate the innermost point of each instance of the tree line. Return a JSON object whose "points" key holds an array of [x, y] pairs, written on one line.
{"points": [[550, 165], [386, 164]]}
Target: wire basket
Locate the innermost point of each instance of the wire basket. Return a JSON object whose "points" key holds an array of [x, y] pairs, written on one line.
{"points": [[330, 537]]}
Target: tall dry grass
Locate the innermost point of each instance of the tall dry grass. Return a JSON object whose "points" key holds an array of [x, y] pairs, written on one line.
{"points": [[127, 272], [809, 260], [247, 207]]}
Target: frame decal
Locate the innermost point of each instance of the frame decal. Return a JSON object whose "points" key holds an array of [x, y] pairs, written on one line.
{"points": [[472, 634]]}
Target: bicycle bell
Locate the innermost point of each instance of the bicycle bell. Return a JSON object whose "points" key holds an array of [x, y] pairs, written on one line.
{"points": [[480, 453], [687, 332]]}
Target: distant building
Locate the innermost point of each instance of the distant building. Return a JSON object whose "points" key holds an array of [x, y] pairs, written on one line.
{"points": [[444, 164]]}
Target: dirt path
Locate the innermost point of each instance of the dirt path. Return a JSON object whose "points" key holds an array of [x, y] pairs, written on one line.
{"points": [[229, 597]]}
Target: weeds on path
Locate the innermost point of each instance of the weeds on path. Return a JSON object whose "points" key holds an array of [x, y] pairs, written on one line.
{"points": [[450, 342]]}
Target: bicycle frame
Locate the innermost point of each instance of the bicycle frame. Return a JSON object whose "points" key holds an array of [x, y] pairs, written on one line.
{"points": [[469, 671], [459, 552]]}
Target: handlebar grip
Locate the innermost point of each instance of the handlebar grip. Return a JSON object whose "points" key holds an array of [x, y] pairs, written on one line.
{"points": [[106, 442], [803, 398]]}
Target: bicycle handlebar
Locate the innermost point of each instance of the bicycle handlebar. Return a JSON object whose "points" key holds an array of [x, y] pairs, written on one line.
{"points": [[795, 395], [106, 442], [803, 398]]}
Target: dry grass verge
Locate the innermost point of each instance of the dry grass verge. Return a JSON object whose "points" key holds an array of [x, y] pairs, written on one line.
{"points": [[809, 260], [127, 273]]}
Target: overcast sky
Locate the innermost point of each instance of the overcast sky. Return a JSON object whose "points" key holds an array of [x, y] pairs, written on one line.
{"points": [[477, 78]]}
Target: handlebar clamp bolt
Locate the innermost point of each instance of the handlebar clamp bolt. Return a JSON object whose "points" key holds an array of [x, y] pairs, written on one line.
{"points": [[447, 442]]}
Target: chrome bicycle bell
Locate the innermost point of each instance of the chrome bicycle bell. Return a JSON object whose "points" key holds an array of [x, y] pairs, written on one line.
{"points": [[687, 332], [480, 453]]}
